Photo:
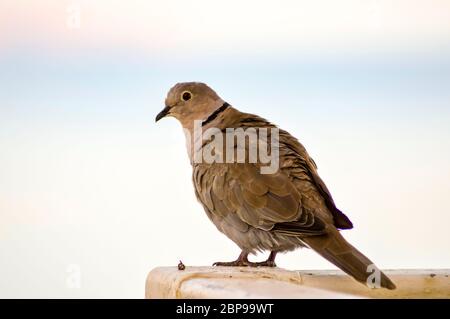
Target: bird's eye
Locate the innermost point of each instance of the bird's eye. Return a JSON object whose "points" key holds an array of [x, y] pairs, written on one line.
{"points": [[186, 96]]}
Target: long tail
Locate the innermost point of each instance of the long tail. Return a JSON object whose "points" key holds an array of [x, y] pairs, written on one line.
{"points": [[337, 250]]}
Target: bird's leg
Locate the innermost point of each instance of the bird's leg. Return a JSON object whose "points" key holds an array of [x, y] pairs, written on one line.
{"points": [[241, 261], [270, 262]]}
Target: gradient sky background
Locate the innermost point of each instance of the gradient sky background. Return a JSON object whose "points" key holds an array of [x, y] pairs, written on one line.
{"points": [[88, 179]]}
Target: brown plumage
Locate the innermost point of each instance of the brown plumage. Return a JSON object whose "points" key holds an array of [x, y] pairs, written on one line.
{"points": [[277, 212]]}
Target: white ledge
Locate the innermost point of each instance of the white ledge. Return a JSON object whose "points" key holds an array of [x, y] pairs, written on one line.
{"points": [[243, 282]]}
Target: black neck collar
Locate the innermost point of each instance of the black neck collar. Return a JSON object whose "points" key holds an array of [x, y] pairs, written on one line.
{"points": [[214, 114]]}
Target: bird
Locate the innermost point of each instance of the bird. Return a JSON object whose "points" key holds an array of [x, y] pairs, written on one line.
{"points": [[275, 212]]}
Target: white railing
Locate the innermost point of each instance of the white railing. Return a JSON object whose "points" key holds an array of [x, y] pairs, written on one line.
{"points": [[231, 282]]}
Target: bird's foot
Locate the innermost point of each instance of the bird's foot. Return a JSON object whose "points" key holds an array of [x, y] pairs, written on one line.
{"points": [[236, 263], [246, 263], [243, 261]]}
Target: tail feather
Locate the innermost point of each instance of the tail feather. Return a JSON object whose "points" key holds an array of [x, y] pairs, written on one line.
{"points": [[338, 251]]}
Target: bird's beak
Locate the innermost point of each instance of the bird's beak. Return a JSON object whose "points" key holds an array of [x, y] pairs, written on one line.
{"points": [[163, 113]]}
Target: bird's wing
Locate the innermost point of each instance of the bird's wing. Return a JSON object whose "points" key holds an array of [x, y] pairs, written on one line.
{"points": [[303, 170], [266, 201]]}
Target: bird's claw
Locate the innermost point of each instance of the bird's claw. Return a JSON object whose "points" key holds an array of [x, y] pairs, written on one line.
{"points": [[236, 263], [242, 263]]}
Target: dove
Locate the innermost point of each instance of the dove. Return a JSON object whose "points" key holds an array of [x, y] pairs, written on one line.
{"points": [[280, 211]]}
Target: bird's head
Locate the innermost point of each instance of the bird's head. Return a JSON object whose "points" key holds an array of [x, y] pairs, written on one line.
{"points": [[190, 101]]}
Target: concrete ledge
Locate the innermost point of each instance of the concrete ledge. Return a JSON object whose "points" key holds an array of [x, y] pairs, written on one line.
{"points": [[243, 282]]}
